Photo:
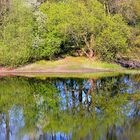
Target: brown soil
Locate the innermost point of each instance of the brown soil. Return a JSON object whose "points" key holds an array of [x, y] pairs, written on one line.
{"points": [[59, 70]]}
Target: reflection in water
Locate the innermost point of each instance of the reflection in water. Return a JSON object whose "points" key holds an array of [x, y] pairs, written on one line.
{"points": [[70, 109]]}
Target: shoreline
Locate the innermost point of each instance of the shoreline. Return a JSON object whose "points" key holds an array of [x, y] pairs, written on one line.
{"points": [[81, 74], [67, 66]]}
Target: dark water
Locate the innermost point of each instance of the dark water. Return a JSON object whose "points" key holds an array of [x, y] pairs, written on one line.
{"points": [[70, 109]]}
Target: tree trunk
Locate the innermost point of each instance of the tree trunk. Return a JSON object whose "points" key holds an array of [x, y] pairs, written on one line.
{"points": [[91, 46], [88, 51]]}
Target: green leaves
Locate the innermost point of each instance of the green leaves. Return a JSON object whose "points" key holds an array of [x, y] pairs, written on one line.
{"points": [[109, 43], [61, 28], [74, 22], [113, 39], [17, 35]]}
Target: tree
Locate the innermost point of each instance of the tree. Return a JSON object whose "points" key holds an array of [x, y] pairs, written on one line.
{"points": [[63, 26], [76, 23], [113, 40], [85, 25], [16, 35], [129, 9]]}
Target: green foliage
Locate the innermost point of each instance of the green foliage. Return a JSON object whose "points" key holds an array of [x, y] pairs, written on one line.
{"points": [[73, 21], [93, 27], [113, 39], [46, 44], [77, 22], [130, 10], [17, 35]]}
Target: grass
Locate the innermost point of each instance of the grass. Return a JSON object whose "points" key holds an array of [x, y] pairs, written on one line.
{"points": [[80, 62], [44, 69], [71, 63]]}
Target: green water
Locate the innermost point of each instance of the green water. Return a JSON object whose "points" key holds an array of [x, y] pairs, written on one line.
{"points": [[70, 109]]}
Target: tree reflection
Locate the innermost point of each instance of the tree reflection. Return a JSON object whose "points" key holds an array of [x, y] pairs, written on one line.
{"points": [[69, 108]]}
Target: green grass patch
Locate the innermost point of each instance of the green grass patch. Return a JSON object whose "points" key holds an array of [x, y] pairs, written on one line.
{"points": [[77, 62], [74, 63]]}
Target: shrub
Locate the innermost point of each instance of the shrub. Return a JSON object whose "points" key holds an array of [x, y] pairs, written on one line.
{"points": [[17, 35], [113, 39]]}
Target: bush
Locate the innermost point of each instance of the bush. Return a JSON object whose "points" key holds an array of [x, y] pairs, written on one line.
{"points": [[113, 39], [60, 27], [17, 35], [48, 47], [109, 43]]}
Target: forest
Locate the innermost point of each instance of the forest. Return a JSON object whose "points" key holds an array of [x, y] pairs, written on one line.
{"points": [[69, 69], [32, 30]]}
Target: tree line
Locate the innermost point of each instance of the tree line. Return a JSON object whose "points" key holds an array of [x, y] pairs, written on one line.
{"points": [[46, 29]]}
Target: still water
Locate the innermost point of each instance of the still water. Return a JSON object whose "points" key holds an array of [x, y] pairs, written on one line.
{"points": [[70, 108]]}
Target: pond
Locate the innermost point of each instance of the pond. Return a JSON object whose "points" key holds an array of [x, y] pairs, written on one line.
{"points": [[105, 108]]}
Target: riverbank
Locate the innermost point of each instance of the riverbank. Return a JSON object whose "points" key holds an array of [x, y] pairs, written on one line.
{"points": [[70, 64], [67, 67]]}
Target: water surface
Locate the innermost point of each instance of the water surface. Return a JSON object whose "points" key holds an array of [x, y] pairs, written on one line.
{"points": [[70, 109]]}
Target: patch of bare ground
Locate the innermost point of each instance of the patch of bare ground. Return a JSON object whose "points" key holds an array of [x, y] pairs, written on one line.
{"points": [[69, 65]]}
